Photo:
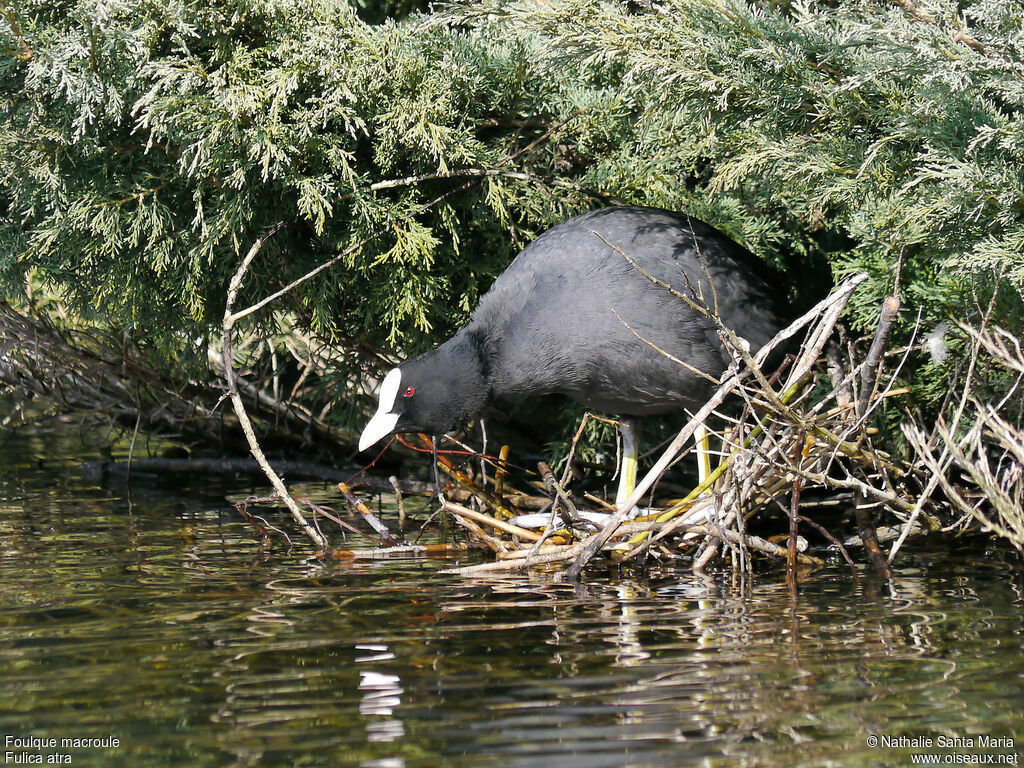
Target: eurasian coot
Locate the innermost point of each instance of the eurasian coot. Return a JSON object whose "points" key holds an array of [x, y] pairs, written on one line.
{"points": [[565, 318]]}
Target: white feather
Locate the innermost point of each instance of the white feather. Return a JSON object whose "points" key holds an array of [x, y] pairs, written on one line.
{"points": [[936, 343]]}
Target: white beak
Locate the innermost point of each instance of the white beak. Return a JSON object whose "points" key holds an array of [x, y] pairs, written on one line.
{"points": [[383, 422]]}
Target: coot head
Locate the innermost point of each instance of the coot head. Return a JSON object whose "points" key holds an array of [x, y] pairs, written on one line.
{"points": [[433, 393]]}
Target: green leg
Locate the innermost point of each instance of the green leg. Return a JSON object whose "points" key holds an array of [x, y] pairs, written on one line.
{"points": [[627, 470]]}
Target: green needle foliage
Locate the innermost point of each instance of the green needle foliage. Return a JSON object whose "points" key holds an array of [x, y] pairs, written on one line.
{"points": [[149, 146], [144, 146], [899, 130]]}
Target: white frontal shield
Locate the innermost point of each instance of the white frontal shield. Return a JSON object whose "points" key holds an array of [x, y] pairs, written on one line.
{"points": [[383, 422]]}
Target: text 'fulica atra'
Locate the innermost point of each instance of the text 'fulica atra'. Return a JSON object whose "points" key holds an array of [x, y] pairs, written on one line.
{"points": [[565, 318]]}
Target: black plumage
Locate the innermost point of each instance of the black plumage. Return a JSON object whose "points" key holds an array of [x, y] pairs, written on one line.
{"points": [[559, 320]]}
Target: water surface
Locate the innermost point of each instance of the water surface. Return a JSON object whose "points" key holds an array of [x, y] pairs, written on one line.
{"points": [[149, 615]]}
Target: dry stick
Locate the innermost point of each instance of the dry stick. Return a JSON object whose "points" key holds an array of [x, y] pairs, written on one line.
{"points": [[681, 363], [483, 453], [867, 457], [496, 545], [501, 566], [599, 502], [819, 337], [840, 386], [499, 473], [1006, 348], [400, 500], [979, 472], [236, 399], [868, 385], [572, 448], [482, 494], [326, 512], [869, 373], [812, 349], [554, 487], [668, 527], [588, 416], [921, 445], [543, 558], [810, 352], [131, 446], [494, 522], [764, 546], [547, 549], [938, 471], [406, 549], [794, 517], [728, 536], [794, 509], [837, 298], [833, 540], [705, 557], [549, 478], [890, 389], [998, 491], [943, 462], [857, 486], [243, 509], [386, 537]]}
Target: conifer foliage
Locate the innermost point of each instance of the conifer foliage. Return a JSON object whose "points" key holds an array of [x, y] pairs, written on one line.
{"points": [[146, 146]]}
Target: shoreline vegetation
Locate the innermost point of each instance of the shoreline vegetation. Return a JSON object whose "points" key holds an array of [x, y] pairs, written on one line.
{"points": [[222, 225], [793, 437]]}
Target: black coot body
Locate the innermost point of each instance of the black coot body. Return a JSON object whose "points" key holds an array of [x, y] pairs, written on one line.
{"points": [[556, 322]]}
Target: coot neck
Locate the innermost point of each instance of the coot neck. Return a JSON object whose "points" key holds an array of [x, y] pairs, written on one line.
{"points": [[481, 352], [465, 362]]}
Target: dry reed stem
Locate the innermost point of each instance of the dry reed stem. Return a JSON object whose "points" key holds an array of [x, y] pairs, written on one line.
{"points": [[386, 537], [485, 497], [493, 543], [405, 549]]}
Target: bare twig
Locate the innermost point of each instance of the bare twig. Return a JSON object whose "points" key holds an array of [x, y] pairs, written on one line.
{"points": [[236, 398], [386, 537], [869, 373]]}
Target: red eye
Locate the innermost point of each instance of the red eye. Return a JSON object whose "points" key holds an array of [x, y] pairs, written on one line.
{"points": [[409, 392]]}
